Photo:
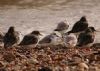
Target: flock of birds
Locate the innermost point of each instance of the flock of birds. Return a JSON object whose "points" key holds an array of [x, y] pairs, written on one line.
{"points": [[80, 35]]}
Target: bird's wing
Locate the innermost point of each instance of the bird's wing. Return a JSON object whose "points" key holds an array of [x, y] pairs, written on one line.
{"points": [[9, 40], [89, 39], [46, 39], [8, 37], [29, 39], [25, 39], [85, 39], [79, 26], [83, 26]]}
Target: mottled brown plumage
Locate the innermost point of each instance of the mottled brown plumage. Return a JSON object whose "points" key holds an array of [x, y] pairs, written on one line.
{"points": [[31, 38], [86, 38], [11, 37]]}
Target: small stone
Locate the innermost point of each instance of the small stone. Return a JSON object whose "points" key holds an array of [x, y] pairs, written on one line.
{"points": [[9, 57]]}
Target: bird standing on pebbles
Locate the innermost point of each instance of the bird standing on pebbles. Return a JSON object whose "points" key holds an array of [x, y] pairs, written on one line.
{"points": [[87, 38], [31, 39], [11, 38]]}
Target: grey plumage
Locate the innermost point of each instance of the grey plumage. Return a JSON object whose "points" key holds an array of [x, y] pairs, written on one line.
{"points": [[52, 39], [62, 27], [46, 39], [70, 40]]}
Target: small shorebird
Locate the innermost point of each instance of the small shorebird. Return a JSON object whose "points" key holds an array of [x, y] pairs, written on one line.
{"points": [[54, 38], [87, 38], [70, 40], [31, 39], [62, 27], [79, 26], [11, 38]]}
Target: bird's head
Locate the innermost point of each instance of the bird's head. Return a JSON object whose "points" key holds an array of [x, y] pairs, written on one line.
{"points": [[37, 33], [11, 29], [92, 29], [56, 33], [83, 19], [88, 30], [62, 26]]}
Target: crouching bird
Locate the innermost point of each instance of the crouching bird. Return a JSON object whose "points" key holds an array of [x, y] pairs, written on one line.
{"points": [[31, 39], [54, 38], [87, 38], [70, 40], [11, 38]]}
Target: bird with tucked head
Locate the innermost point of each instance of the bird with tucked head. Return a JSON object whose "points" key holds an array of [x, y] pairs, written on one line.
{"points": [[87, 38], [54, 38], [31, 39], [62, 27]]}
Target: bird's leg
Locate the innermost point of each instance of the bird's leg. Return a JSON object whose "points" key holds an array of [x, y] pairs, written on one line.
{"points": [[36, 44]]}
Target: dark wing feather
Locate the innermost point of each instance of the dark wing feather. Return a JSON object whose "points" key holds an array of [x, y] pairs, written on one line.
{"points": [[29, 39], [79, 26], [46, 39], [85, 39], [10, 39]]}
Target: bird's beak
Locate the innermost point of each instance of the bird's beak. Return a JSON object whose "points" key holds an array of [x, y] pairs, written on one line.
{"points": [[97, 31]]}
